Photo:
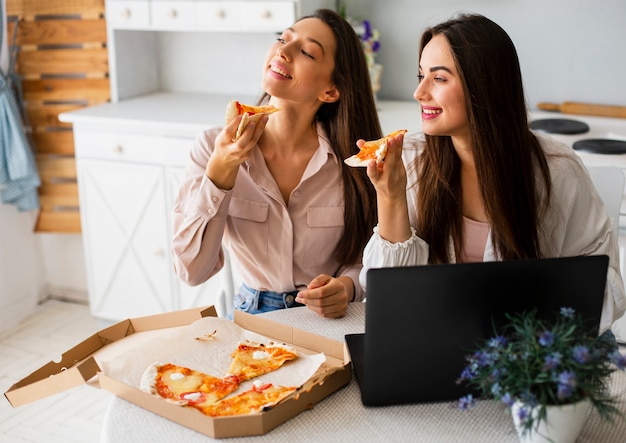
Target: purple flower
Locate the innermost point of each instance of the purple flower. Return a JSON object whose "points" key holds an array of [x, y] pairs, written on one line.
{"points": [[466, 402], [481, 359], [507, 399], [467, 373], [567, 383], [546, 338], [580, 353], [496, 389], [564, 391], [567, 312], [523, 414], [567, 378], [368, 30], [552, 361], [497, 342]]}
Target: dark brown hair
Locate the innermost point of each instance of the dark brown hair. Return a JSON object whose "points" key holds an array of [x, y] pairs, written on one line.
{"points": [[352, 117], [509, 160]]}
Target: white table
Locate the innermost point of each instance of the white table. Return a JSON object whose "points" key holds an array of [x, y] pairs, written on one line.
{"points": [[342, 417]]}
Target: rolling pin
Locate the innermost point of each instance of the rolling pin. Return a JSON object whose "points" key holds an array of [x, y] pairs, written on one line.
{"points": [[584, 109]]}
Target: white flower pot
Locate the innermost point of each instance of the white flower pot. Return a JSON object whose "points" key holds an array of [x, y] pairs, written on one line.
{"points": [[563, 423]]}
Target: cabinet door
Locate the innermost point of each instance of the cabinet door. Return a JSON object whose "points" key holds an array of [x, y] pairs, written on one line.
{"points": [[125, 233], [213, 291]]}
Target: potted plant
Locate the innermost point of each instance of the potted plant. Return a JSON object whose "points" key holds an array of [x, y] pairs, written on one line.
{"points": [[535, 366]]}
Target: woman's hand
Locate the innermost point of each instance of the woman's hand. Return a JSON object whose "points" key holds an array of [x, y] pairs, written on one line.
{"points": [[389, 179], [328, 296], [389, 175], [227, 155]]}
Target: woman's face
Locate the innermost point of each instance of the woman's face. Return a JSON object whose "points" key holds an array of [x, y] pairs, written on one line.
{"points": [[440, 92], [300, 64]]}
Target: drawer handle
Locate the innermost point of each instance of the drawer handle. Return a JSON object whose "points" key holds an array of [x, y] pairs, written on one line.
{"points": [[159, 252], [125, 13], [118, 149], [221, 14], [266, 15], [173, 13]]}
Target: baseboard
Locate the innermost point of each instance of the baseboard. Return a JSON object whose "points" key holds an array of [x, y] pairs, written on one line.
{"points": [[64, 294]]}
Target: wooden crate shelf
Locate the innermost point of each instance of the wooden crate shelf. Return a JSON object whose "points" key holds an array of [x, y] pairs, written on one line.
{"points": [[63, 66]]}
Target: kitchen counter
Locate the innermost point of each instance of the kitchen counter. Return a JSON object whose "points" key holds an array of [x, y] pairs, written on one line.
{"points": [[189, 114]]}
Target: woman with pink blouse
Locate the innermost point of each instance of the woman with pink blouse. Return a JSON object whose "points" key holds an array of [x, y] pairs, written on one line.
{"points": [[294, 217]]}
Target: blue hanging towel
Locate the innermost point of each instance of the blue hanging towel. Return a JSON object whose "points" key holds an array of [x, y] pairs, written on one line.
{"points": [[19, 177]]}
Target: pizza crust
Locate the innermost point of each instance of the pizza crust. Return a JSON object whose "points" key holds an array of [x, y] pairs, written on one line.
{"points": [[249, 114]]}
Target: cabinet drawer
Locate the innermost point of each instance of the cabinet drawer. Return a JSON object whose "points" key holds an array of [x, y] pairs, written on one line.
{"points": [[136, 148], [269, 16], [218, 15], [176, 151], [173, 14], [128, 14]]}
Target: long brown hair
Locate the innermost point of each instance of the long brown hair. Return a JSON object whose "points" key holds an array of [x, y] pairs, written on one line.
{"points": [[506, 153], [352, 117]]}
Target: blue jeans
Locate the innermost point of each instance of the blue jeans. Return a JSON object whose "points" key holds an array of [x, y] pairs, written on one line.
{"points": [[254, 301]]}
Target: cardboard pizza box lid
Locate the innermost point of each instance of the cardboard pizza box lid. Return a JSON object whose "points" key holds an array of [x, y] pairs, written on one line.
{"points": [[78, 366]]}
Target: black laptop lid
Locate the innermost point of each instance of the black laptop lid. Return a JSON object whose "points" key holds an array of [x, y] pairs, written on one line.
{"points": [[421, 321]]}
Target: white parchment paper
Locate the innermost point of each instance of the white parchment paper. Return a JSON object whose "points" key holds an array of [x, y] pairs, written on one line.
{"points": [[179, 346]]}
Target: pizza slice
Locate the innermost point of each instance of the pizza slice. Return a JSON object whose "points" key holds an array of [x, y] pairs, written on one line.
{"points": [[183, 386], [249, 113], [253, 359], [372, 150], [257, 399]]}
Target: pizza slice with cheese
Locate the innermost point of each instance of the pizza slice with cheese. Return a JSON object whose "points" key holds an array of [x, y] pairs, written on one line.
{"points": [[372, 150], [248, 112], [257, 399], [183, 386], [253, 359]]}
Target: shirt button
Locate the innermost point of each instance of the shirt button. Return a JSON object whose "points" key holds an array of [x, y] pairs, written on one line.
{"points": [[211, 211], [215, 199], [296, 193]]}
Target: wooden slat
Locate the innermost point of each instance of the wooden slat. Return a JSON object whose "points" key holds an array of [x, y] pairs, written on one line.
{"points": [[54, 168], [47, 116], [64, 222], [67, 89], [32, 8], [63, 64], [59, 32], [54, 142], [58, 195], [63, 61]]}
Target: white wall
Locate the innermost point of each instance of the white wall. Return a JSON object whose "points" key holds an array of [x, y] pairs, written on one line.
{"points": [[22, 275]]}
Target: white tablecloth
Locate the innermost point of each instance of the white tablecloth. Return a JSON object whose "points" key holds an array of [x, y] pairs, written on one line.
{"points": [[341, 417]]}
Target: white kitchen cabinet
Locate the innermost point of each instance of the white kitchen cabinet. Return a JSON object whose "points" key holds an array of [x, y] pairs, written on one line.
{"points": [[191, 46], [127, 182], [125, 238]]}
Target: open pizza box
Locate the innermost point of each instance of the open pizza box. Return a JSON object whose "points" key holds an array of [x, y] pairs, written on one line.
{"points": [[82, 364]]}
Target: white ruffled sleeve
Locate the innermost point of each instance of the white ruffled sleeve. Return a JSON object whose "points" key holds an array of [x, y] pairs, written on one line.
{"points": [[380, 253]]}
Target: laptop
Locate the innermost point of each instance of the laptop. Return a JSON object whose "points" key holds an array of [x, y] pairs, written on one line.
{"points": [[421, 321]]}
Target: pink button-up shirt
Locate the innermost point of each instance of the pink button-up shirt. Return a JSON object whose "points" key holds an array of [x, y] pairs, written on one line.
{"points": [[277, 246]]}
